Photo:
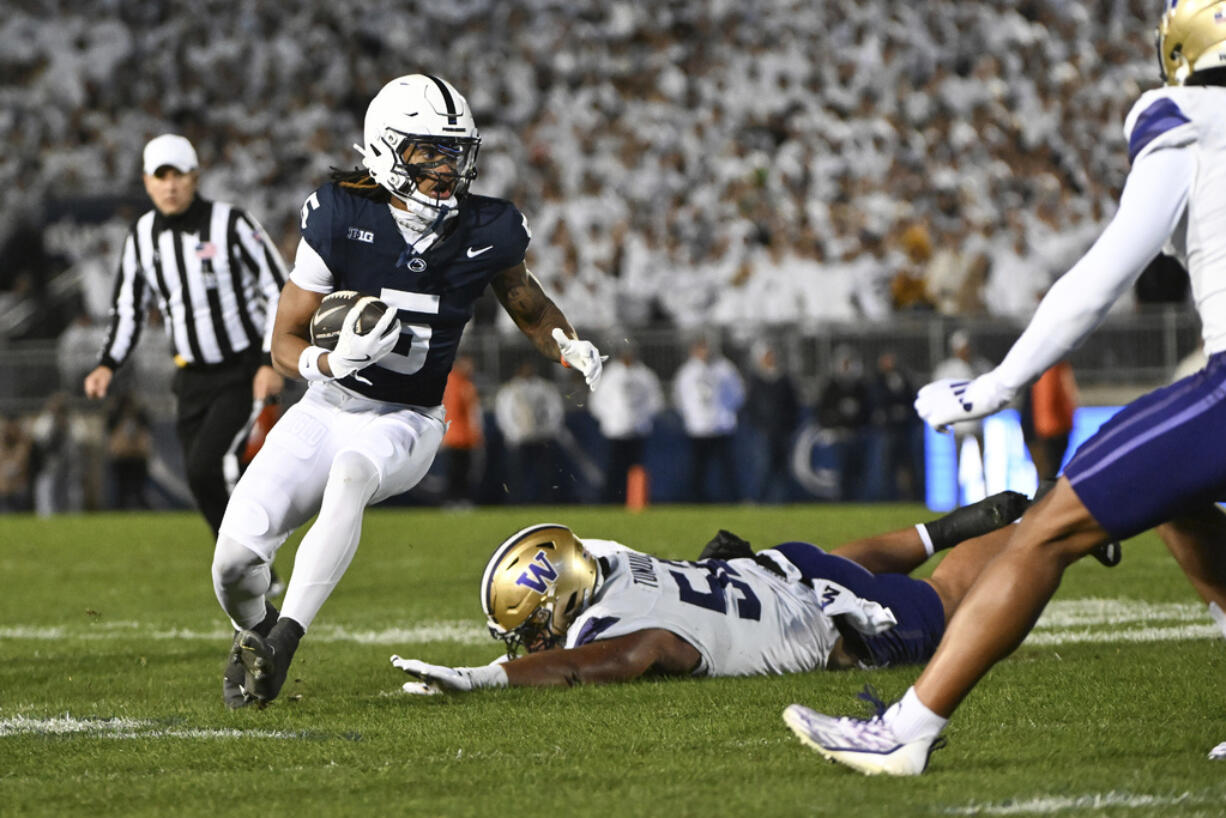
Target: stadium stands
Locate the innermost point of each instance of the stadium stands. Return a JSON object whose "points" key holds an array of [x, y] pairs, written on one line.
{"points": [[692, 162]]}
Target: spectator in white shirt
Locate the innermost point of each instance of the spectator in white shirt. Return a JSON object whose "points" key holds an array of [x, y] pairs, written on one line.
{"points": [[708, 391], [625, 404], [529, 412]]}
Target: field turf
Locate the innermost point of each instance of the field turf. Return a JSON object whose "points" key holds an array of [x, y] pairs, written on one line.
{"points": [[111, 648]]}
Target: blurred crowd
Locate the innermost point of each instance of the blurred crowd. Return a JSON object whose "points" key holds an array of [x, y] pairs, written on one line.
{"points": [[698, 164], [729, 425], [692, 163]]}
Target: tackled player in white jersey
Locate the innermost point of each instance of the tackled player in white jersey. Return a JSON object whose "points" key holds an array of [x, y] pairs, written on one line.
{"points": [[617, 613]]}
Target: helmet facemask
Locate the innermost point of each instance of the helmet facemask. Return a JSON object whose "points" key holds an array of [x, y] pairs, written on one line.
{"points": [[447, 164], [534, 634]]}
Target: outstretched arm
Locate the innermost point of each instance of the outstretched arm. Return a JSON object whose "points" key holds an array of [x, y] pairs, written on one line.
{"points": [[542, 321], [1154, 199], [533, 311], [609, 660]]}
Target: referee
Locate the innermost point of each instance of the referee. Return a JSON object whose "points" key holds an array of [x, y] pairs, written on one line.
{"points": [[215, 277]]}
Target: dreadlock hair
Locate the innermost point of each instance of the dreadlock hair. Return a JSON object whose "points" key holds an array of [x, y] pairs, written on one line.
{"points": [[359, 182]]}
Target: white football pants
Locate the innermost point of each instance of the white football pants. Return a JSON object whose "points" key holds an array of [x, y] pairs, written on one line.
{"points": [[332, 453]]}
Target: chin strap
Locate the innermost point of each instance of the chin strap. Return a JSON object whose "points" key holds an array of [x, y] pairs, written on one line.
{"points": [[418, 231]]}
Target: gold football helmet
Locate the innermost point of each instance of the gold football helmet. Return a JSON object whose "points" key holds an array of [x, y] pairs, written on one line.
{"points": [[538, 581], [1191, 37]]}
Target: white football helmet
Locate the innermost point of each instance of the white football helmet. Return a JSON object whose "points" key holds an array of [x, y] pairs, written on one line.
{"points": [[422, 117], [1191, 37], [535, 585]]}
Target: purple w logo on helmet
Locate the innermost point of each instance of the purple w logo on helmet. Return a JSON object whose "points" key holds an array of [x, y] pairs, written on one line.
{"points": [[540, 574]]}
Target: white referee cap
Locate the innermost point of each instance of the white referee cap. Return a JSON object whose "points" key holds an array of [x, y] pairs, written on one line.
{"points": [[170, 149]]}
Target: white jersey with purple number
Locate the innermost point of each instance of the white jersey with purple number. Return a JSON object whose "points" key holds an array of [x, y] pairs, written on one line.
{"points": [[743, 619], [1192, 119]]}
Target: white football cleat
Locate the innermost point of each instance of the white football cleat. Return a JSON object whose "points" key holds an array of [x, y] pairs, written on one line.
{"points": [[1218, 753], [868, 746]]}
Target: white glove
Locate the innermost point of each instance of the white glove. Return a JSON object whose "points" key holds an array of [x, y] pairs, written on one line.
{"points": [[951, 400], [865, 616], [353, 351], [452, 678], [582, 355]]}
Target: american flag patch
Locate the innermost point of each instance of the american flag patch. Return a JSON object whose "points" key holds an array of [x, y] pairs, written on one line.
{"points": [[206, 250]]}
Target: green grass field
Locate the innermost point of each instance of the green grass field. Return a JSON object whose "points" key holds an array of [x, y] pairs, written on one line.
{"points": [[111, 647]]}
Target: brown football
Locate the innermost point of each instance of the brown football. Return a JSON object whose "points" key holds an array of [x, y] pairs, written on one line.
{"points": [[329, 318]]}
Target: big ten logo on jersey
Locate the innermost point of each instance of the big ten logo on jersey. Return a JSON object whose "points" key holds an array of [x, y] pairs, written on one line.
{"points": [[358, 234], [542, 572]]}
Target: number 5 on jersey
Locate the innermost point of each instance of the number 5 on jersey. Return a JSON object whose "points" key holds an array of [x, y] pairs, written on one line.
{"points": [[715, 598], [420, 333]]}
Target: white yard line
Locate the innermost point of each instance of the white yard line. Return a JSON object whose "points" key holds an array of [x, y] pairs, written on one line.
{"points": [[124, 728], [1171, 634], [1065, 622], [467, 633], [1067, 613], [1052, 804]]}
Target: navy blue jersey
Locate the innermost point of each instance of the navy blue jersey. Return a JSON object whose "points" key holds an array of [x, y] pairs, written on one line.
{"points": [[434, 292]]}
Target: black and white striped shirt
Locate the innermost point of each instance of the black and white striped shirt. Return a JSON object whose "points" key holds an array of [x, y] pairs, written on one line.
{"points": [[215, 276]]}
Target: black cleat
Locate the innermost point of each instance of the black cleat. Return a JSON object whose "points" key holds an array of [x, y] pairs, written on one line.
{"points": [[1109, 554], [233, 681], [267, 659], [235, 688], [977, 519], [265, 674]]}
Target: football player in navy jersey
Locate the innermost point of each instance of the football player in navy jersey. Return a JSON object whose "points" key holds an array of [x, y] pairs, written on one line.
{"points": [[1174, 197], [403, 228]]}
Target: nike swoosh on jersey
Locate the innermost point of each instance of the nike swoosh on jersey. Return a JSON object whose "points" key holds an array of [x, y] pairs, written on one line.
{"points": [[473, 252]]}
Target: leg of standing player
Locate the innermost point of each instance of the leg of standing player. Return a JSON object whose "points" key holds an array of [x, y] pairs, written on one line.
{"points": [[903, 551], [1161, 433], [1008, 596], [326, 460], [1198, 543], [1108, 493]]}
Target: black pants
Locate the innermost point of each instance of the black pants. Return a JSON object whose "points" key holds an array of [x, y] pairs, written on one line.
{"points": [[459, 475], [623, 453], [130, 475], [533, 467], [214, 405], [709, 454]]}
